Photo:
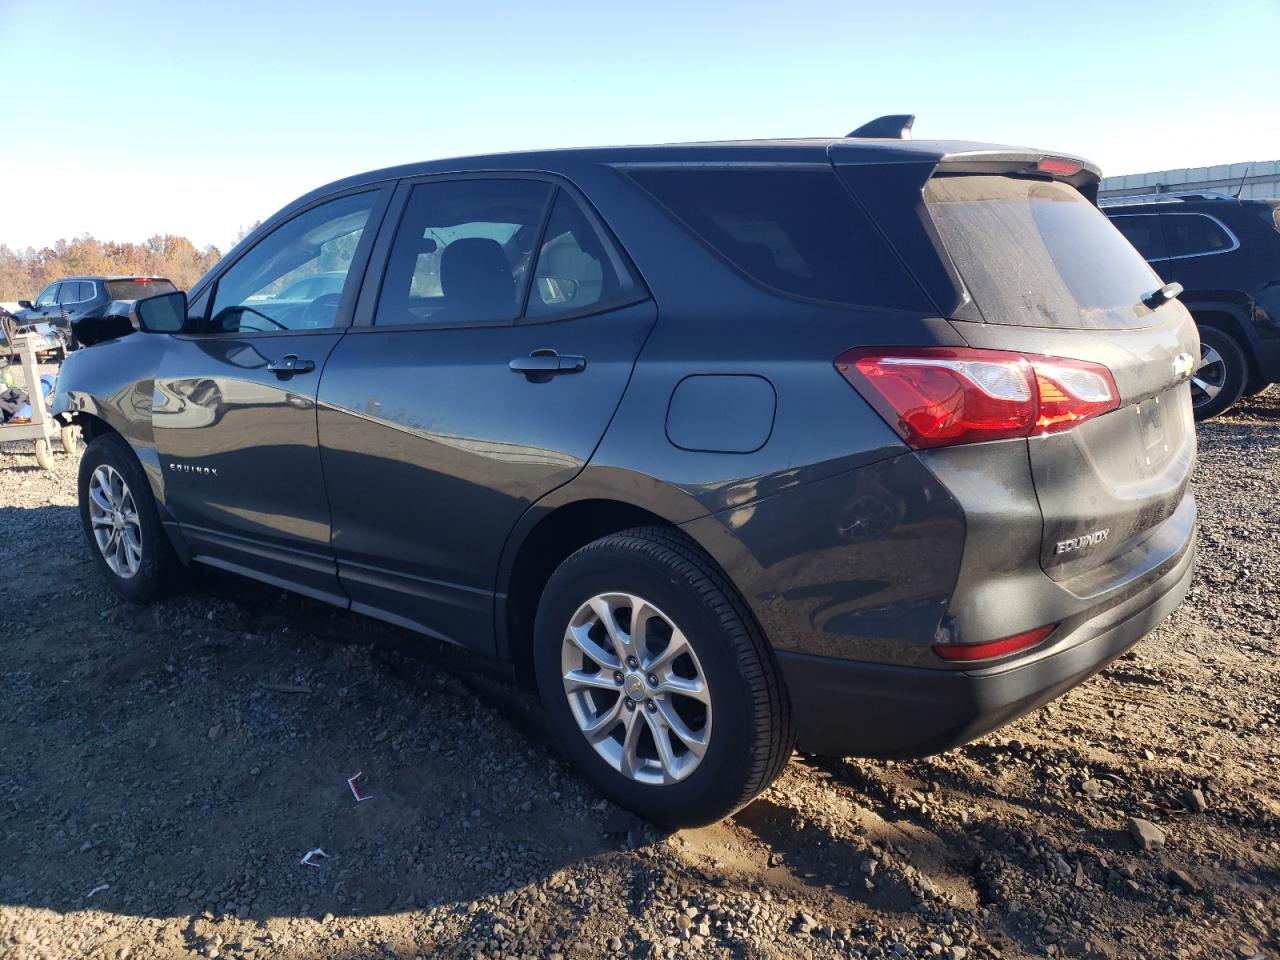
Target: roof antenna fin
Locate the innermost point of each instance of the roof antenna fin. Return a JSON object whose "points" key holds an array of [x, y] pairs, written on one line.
{"points": [[895, 126]]}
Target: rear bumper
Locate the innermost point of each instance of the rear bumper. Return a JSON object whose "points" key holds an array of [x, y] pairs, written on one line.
{"points": [[850, 708]]}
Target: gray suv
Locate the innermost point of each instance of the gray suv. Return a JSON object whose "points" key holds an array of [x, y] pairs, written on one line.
{"points": [[861, 444]]}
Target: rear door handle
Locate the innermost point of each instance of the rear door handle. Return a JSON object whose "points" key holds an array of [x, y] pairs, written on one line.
{"points": [[545, 364], [290, 364]]}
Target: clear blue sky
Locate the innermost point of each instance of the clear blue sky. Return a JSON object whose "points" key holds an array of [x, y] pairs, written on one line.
{"points": [[126, 119]]}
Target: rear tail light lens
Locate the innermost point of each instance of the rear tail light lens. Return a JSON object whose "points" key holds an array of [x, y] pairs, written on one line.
{"points": [[1070, 392], [968, 652], [1059, 166], [941, 396]]}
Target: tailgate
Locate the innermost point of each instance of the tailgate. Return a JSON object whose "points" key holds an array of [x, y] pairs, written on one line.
{"points": [[1048, 274]]}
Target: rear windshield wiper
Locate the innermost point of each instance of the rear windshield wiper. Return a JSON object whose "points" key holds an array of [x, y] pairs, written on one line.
{"points": [[1157, 298]]}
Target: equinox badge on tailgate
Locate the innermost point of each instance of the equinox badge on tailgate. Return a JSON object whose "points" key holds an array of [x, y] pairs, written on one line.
{"points": [[1079, 543]]}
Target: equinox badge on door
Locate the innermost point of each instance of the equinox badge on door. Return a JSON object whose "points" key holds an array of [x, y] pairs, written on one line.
{"points": [[188, 468]]}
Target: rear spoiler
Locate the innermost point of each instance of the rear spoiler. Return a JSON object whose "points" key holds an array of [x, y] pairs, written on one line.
{"points": [[945, 157]]}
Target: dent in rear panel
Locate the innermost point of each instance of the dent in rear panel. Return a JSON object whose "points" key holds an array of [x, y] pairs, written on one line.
{"points": [[858, 566]]}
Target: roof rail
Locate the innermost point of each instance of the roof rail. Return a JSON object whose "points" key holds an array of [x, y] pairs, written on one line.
{"points": [[894, 126], [1173, 197]]}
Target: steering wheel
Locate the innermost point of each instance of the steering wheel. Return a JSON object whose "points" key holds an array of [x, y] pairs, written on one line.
{"points": [[321, 311]]}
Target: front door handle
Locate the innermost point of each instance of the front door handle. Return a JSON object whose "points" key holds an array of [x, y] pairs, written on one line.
{"points": [[290, 364], [544, 364]]}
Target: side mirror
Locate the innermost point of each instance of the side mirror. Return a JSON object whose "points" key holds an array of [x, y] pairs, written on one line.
{"points": [[25, 304], [165, 313]]}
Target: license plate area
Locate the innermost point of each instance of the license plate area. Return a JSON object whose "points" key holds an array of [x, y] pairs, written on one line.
{"points": [[1152, 432]]}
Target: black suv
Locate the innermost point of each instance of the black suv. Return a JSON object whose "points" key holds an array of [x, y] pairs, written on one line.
{"points": [[1226, 254], [864, 443], [89, 309]]}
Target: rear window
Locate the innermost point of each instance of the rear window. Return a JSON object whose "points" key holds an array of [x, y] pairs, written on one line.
{"points": [[795, 230], [1191, 234], [138, 289], [1037, 253]]}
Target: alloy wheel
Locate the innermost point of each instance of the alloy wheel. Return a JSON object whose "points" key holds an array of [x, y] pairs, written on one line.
{"points": [[113, 515], [1209, 377], [636, 688]]}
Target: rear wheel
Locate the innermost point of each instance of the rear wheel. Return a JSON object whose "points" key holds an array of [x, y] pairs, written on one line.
{"points": [[657, 681], [1219, 381], [121, 522]]}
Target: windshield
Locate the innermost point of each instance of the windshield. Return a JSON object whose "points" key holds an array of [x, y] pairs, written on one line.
{"points": [[138, 289], [1037, 253]]}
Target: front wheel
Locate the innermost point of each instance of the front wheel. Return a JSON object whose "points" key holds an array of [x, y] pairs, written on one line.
{"points": [[121, 523], [657, 681], [1219, 381]]}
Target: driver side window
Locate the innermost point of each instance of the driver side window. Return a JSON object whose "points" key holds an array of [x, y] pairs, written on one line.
{"points": [[47, 296], [292, 278]]}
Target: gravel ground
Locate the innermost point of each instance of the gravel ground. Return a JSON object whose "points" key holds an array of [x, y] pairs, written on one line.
{"points": [[164, 770]]}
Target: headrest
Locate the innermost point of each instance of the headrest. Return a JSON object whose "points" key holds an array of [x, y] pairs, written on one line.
{"points": [[474, 262]]}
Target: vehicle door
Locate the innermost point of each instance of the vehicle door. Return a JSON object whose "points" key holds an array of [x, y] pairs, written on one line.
{"points": [[72, 295], [234, 407], [46, 306], [478, 376]]}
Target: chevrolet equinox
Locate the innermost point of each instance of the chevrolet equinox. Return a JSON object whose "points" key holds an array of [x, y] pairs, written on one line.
{"points": [[865, 445]]}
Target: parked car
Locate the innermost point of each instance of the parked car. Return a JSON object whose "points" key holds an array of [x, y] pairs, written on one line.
{"points": [[1226, 254], [866, 444], [89, 309]]}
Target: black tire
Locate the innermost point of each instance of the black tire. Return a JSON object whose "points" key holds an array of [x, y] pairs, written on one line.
{"points": [[159, 567], [752, 736], [1227, 374]]}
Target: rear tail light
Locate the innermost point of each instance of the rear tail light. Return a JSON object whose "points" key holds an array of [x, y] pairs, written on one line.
{"points": [[940, 396], [968, 652]]}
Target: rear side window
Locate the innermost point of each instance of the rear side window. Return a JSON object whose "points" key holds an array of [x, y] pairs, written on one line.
{"points": [[578, 269], [138, 289], [797, 231], [1037, 253], [69, 292], [1143, 231], [1192, 234]]}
